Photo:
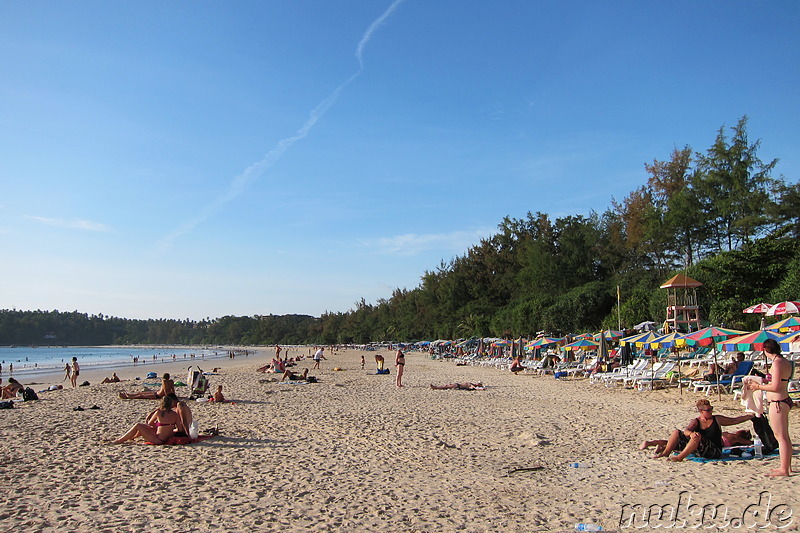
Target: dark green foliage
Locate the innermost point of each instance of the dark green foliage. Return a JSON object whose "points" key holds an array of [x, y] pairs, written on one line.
{"points": [[719, 217]]}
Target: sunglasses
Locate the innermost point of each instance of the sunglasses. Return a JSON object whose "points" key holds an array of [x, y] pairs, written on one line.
{"points": [[706, 409]]}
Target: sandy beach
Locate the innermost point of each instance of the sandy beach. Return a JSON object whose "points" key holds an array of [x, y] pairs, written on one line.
{"points": [[355, 453]]}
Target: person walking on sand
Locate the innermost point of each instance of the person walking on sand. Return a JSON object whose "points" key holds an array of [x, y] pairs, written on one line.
{"points": [[362, 362], [76, 370], [399, 363], [777, 389], [319, 355], [67, 372]]}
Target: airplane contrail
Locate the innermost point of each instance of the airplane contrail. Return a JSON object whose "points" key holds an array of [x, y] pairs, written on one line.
{"points": [[254, 171]]}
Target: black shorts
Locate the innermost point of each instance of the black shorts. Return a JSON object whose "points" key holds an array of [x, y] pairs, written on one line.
{"points": [[706, 449]]}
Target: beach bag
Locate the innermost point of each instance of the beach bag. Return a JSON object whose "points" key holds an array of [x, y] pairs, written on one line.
{"points": [[764, 431], [7, 405], [152, 375], [29, 394]]}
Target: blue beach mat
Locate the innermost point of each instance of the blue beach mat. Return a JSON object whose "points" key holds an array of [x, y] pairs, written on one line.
{"points": [[747, 455]]}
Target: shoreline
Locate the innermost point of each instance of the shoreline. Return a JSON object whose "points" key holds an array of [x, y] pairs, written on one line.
{"points": [[94, 374]]}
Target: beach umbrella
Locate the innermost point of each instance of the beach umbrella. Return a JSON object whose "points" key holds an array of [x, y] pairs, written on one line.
{"points": [[610, 335], [581, 344], [640, 339], [749, 341], [666, 341], [541, 342], [757, 308], [784, 308], [647, 325], [787, 324], [791, 342], [502, 342], [710, 336]]}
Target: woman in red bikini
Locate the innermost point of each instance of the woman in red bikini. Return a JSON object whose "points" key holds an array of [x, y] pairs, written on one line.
{"points": [[777, 389], [161, 425]]}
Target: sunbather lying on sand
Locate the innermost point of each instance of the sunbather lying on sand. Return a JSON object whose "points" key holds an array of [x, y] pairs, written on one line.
{"points": [[460, 386], [167, 387], [113, 379], [294, 376]]}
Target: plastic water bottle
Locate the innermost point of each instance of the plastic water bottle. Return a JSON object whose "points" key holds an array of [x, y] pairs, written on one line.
{"points": [[757, 448], [588, 527], [580, 465]]}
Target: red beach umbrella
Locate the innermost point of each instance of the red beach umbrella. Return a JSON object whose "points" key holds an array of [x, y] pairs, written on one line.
{"points": [[784, 308], [757, 308]]}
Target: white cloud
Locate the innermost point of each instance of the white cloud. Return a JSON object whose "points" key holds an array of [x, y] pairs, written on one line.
{"points": [[75, 223], [413, 244]]}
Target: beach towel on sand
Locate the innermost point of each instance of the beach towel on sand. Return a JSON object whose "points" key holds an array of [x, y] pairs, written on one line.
{"points": [[175, 441], [726, 456]]}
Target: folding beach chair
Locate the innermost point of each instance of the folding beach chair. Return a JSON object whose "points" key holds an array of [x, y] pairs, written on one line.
{"points": [[198, 383]]}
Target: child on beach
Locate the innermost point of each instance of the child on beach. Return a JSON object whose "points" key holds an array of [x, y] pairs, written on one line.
{"points": [[218, 397], [362, 362]]}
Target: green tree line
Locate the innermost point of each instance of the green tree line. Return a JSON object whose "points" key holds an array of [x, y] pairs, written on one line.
{"points": [[719, 216]]}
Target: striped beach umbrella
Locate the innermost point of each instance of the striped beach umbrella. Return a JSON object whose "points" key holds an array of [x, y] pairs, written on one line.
{"points": [[582, 344], [784, 308], [749, 341], [640, 339], [787, 324], [541, 342], [666, 341], [757, 308], [790, 342]]}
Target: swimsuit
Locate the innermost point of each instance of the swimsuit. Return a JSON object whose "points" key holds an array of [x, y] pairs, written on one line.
{"points": [[788, 401], [159, 424]]}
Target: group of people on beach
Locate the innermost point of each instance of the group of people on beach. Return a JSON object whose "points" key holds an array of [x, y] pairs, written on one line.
{"points": [[72, 371], [704, 437]]}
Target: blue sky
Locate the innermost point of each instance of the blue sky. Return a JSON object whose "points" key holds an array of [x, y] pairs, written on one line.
{"points": [[201, 159]]}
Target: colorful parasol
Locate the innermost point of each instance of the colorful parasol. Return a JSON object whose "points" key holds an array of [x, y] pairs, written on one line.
{"points": [[748, 341]]}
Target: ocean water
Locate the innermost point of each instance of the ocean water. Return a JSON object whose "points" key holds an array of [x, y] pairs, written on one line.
{"points": [[44, 360]]}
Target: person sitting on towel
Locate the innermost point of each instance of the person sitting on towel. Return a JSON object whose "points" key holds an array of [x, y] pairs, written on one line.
{"points": [[703, 435]]}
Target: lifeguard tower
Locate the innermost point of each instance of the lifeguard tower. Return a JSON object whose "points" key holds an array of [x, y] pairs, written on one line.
{"points": [[683, 313]]}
